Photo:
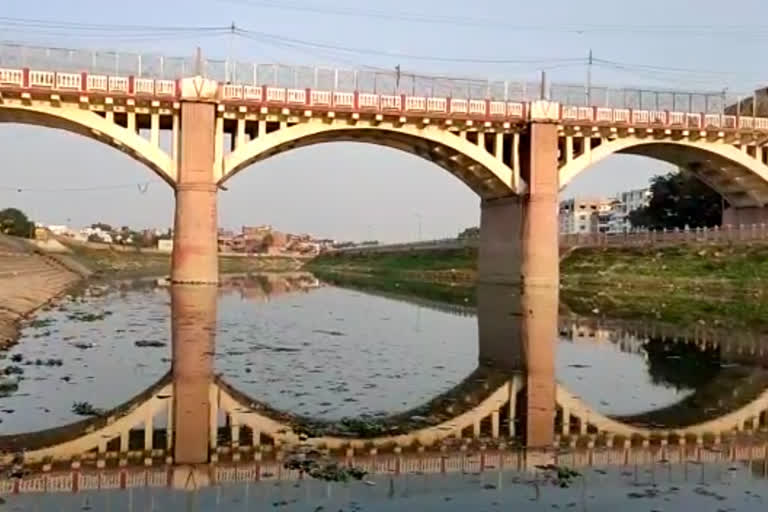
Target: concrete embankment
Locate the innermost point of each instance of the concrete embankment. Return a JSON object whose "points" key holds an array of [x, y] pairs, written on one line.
{"points": [[29, 280]]}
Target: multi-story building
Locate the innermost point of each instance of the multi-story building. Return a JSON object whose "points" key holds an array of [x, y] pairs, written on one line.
{"points": [[584, 215], [601, 215], [628, 202]]}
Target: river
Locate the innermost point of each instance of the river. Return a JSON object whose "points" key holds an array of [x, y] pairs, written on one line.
{"points": [[295, 349]]}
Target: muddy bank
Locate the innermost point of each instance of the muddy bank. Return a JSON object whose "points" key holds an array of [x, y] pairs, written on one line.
{"points": [[28, 281]]}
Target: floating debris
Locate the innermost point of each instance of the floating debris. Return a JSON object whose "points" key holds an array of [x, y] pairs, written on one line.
{"points": [[80, 316], [86, 409], [329, 333], [329, 471], [9, 383], [149, 343]]}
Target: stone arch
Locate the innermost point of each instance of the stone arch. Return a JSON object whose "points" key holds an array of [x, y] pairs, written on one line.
{"points": [[89, 124], [488, 176], [730, 170]]}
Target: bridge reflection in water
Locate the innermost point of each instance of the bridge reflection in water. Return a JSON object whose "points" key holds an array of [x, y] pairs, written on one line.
{"points": [[509, 414]]}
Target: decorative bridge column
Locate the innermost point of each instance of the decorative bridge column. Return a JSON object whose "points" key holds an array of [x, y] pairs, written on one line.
{"points": [[195, 245], [193, 337], [519, 234], [540, 266]]}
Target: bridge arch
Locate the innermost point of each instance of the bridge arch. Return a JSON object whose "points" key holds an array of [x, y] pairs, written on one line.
{"points": [[93, 126], [485, 173], [737, 172]]}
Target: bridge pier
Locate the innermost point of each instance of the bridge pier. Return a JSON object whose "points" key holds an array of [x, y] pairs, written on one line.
{"points": [[519, 235], [193, 335], [195, 245], [540, 264]]}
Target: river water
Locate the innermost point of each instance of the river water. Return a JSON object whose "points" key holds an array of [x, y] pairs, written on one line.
{"points": [[298, 345], [294, 344]]}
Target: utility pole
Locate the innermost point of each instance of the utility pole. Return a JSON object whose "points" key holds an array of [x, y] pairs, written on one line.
{"points": [[198, 62], [228, 64], [543, 91], [589, 79]]}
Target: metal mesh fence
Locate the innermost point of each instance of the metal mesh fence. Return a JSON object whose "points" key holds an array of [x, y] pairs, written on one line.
{"points": [[373, 81]]}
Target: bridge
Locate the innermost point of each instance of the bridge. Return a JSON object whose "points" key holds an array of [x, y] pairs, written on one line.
{"points": [[516, 150]]}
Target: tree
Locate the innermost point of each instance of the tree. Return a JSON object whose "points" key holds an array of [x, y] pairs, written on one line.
{"points": [[102, 226], [14, 222], [472, 232], [678, 200], [267, 242]]}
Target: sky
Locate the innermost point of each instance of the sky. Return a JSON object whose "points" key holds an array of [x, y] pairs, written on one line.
{"points": [[351, 191]]}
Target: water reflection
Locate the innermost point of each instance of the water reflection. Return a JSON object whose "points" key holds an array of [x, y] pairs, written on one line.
{"points": [[193, 335], [508, 413]]}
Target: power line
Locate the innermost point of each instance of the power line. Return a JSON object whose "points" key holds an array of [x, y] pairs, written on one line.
{"points": [[141, 187], [39, 23], [265, 37], [494, 23]]}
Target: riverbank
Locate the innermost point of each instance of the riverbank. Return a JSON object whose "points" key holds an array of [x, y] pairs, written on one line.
{"points": [[742, 267], [28, 281], [106, 261], [715, 286]]}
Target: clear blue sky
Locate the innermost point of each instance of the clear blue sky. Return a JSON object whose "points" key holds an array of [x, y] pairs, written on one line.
{"points": [[349, 191]]}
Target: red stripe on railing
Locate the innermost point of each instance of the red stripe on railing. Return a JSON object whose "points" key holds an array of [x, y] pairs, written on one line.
{"points": [[308, 97], [84, 81], [131, 85], [25, 79], [356, 100]]}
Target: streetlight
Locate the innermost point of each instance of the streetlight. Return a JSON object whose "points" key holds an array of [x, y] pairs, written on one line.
{"points": [[418, 217]]}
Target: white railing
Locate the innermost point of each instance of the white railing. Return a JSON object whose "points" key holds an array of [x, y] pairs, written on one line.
{"points": [[385, 103], [144, 86], [12, 77], [165, 87], [97, 83]]}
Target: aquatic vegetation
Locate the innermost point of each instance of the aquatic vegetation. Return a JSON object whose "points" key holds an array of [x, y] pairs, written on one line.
{"points": [[327, 470], [149, 343], [82, 316], [86, 409]]}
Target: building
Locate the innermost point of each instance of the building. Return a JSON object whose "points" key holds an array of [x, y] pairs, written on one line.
{"points": [[165, 245], [630, 201], [584, 215], [601, 215]]}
